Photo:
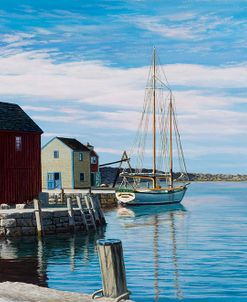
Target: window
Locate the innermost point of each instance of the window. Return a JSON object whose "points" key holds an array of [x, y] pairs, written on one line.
{"points": [[56, 154], [81, 156], [18, 143], [81, 177], [93, 160]]}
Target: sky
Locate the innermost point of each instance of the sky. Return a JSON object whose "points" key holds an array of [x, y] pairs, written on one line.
{"points": [[79, 69]]}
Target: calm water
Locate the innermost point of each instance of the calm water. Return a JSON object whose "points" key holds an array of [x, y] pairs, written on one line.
{"points": [[194, 252]]}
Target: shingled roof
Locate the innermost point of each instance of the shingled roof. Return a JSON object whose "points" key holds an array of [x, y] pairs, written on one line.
{"points": [[13, 118], [73, 144]]}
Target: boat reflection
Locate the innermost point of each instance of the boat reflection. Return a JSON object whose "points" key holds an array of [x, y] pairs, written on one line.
{"points": [[140, 211], [155, 217]]}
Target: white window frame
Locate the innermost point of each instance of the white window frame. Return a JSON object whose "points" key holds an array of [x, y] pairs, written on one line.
{"points": [[18, 143], [80, 156], [55, 154], [93, 159]]}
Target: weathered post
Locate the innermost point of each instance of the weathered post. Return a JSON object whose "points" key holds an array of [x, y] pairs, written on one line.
{"points": [[38, 216], [94, 209], [71, 214], [112, 269], [62, 195], [99, 209]]}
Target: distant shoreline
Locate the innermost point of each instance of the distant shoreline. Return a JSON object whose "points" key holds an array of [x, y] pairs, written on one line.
{"points": [[108, 175]]}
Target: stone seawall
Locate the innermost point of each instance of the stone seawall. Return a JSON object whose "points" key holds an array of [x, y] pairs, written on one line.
{"points": [[14, 223], [108, 200]]}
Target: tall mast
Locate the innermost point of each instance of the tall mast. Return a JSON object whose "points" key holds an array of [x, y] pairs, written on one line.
{"points": [[154, 116], [171, 151]]}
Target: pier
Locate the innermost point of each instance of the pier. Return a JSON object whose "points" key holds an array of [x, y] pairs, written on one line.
{"points": [[81, 213], [14, 291]]}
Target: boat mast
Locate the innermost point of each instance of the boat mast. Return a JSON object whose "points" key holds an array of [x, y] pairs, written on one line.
{"points": [[171, 150], [154, 117]]}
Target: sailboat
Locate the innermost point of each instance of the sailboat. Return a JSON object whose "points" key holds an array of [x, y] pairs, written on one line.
{"points": [[160, 185]]}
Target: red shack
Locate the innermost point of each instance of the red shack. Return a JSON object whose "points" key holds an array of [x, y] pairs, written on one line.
{"points": [[94, 166], [20, 155]]}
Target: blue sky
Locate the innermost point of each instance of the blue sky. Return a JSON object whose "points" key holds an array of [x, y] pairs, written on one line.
{"points": [[79, 69]]}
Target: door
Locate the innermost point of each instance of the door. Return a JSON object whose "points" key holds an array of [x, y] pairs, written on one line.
{"points": [[57, 180], [54, 180], [92, 179]]}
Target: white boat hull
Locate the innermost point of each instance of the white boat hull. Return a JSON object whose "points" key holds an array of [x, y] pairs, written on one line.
{"points": [[159, 197]]}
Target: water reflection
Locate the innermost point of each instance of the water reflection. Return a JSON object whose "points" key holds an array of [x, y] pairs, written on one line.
{"points": [[16, 267], [142, 211], [155, 215], [27, 259]]}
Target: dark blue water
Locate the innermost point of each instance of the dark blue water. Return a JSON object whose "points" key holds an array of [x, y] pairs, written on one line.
{"points": [[193, 252]]}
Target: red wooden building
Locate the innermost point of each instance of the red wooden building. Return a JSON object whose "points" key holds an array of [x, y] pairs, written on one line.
{"points": [[94, 166], [20, 155]]}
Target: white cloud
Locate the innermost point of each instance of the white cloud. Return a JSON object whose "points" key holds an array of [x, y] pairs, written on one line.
{"points": [[37, 108], [115, 95], [186, 26]]}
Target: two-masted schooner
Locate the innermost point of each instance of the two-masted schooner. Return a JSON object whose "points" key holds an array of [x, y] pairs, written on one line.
{"points": [[160, 185]]}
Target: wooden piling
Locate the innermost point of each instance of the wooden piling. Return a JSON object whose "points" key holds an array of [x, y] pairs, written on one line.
{"points": [[71, 214], [62, 196], [38, 216], [112, 268], [99, 209]]}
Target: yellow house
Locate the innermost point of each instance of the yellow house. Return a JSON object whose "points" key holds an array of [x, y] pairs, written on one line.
{"points": [[66, 163]]}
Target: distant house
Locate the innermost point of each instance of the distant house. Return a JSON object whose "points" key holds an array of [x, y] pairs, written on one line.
{"points": [[20, 155], [68, 164], [94, 166]]}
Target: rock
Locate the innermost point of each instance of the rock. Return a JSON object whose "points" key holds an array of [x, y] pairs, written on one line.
{"points": [[49, 229], [47, 215], [27, 231], [13, 232], [8, 223], [20, 206], [47, 222], [60, 213], [24, 222], [2, 232], [4, 206]]}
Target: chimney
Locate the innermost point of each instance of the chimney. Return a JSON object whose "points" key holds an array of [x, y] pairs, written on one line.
{"points": [[90, 147]]}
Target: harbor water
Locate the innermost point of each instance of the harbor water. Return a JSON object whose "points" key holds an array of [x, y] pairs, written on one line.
{"points": [[196, 251]]}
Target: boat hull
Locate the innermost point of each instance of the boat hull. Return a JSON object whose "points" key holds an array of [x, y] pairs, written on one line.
{"points": [[159, 197]]}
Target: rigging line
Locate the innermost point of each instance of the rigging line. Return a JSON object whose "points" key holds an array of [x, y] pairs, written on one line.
{"points": [[162, 70], [162, 132], [139, 132], [143, 137], [161, 82], [143, 112], [181, 148], [179, 143], [165, 148]]}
